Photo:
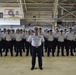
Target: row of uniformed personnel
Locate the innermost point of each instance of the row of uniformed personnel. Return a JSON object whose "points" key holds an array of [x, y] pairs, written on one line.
{"points": [[62, 39], [10, 39]]}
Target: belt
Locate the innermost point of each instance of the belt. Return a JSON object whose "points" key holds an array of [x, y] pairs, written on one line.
{"points": [[36, 46]]}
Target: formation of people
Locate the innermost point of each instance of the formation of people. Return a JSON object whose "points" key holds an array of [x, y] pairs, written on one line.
{"points": [[55, 41]]}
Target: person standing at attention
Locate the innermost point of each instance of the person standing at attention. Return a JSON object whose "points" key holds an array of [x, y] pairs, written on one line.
{"points": [[36, 41]]}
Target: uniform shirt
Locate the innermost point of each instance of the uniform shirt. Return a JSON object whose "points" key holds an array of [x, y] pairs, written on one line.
{"points": [[27, 36], [36, 40], [41, 33], [13, 36], [22, 34], [65, 34], [70, 36], [74, 37], [56, 35], [3, 36], [8, 37], [50, 37], [18, 37], [61, 37], [45, 35]]}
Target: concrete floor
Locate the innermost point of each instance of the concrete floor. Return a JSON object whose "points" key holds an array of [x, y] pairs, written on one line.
{"points": [[51, 66]]}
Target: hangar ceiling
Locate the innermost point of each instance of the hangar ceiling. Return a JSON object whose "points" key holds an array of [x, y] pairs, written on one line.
{"points": [[44, 10]]}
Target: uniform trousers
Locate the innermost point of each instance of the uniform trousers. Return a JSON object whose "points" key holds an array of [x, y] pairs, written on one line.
{"points": [[55, 43], [0, 48], [4, 45], [23, 45], [50, 47], [46, 45], [28, 48], [18, 48], [8, 46], [14, 45], [69, 47], [65, 44], [74, 46], [36, 50], [60, 45], [42, 50]]}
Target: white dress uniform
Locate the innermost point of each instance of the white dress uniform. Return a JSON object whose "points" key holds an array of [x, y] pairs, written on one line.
{"points": [[8, 37], [56, 34], [36, 42], [61, 38], [26, 36], [18, 38], [50, 38], [70, 37], [3, 36], [65, 40], [23, 41], [3, 40], [13, 36], [46, 41], [13, 41], [9, 44]]}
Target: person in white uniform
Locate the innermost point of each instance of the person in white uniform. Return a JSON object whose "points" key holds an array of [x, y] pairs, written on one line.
{"points": [[28, 45], [8, 43], [56, 38], [4, 40], [18, 38], [36, 41], [13, 40], [51, 48], [61, 38], [70, 38]]}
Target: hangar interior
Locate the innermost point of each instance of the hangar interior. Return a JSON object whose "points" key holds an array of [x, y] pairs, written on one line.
{"points": [[60, 13], [25, 14]]}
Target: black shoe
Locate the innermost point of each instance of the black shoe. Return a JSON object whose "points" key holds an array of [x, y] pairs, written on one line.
{"points": [[16, 55], [20, 55], [53, 55], [72, 55], [41, 68], [12, 55], [67, 54], [1, 55], [26, 55], [5, 55], [48, 55], [57, 55], [63, 55], [32, 68], [42, 55]]}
